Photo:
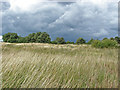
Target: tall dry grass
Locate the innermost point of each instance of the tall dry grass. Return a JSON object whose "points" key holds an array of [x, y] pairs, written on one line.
{"points": [[58, 66]]}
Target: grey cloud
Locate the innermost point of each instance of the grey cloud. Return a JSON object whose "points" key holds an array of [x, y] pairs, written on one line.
{"points": [[4, 6], [68, 20]]}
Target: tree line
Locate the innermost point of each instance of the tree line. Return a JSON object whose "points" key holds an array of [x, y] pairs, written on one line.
{"points": [[39, 37], [43, 37]]}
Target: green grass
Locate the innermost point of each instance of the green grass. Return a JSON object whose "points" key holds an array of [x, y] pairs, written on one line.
{"points": [[58, 66]]}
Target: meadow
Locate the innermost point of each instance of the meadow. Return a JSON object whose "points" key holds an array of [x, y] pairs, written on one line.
{"points": [[34, 65]]}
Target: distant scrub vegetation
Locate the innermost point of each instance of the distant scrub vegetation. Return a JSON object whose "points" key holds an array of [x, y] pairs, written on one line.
{"points": [[43, 37], [104, 43]]}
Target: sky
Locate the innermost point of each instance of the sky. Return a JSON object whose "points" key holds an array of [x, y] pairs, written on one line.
{"points": [[82, 18]]}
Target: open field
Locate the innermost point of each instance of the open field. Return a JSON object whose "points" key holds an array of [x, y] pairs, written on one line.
{"points": [[58, 66]]}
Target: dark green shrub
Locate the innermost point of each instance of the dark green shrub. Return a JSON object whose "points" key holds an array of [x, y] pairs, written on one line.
{"points": [[91, 41], [21, 40], [80, 41], [105, 38], [12, 40], [60, 40], [53, 42], [43, 38], [68, 42], [10, 37], [112, 38], [117, 39]]}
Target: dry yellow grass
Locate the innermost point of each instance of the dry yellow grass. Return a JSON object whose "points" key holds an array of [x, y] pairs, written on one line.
{"points": [[54, 66]]}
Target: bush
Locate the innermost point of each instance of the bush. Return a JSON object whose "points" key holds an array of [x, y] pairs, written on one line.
{"points": [[30, 38], [97, 44], [21, 40], [80, 41], [112, 38], [10, 37], [60, 40], [105, 38], [12, 40], [43, 38], [68, 42], [109, 43], [53, 42], [104, 43], [117, 39], [91, 41]]}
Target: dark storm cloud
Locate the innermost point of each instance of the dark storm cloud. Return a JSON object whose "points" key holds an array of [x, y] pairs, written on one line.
{"points": [[68, 20]]}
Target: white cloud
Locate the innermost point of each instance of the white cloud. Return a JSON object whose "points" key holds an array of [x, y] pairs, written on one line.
{"points": [[24, 5], [0, 38]]}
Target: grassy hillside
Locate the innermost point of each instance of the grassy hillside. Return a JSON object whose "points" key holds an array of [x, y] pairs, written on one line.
{"points": [[53, 66]]}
